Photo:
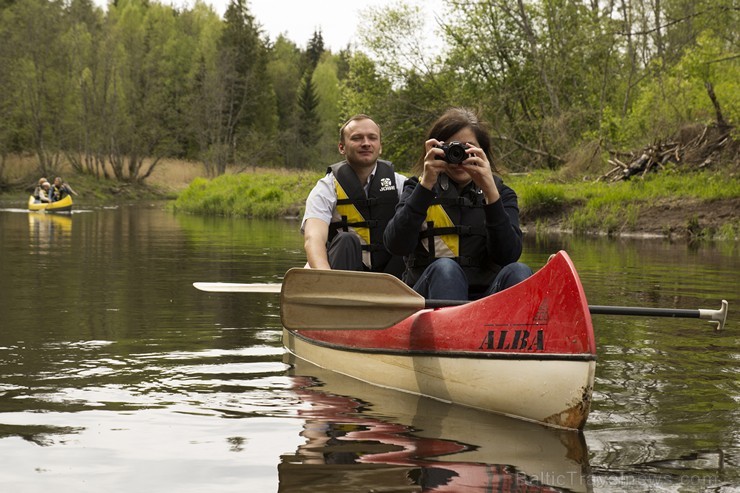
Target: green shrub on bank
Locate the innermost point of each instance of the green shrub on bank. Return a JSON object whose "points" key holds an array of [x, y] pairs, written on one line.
{"points": [[538, 199], [262, 194], [536, 189], [580, 206], [613, 207]]}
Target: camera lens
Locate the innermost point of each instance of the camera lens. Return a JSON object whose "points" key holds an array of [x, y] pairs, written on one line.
{"points": [[456, 153]]}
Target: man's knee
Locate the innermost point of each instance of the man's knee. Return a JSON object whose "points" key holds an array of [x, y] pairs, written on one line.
{"points": [[346, 240], [345, 252]]}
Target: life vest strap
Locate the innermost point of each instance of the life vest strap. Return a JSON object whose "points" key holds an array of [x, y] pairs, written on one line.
{"points": [[344, 224], [371, 202], [461, 230], [456, 201]]}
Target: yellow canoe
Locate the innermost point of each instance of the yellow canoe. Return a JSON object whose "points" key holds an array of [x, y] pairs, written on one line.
{"points": [[64, 205]]}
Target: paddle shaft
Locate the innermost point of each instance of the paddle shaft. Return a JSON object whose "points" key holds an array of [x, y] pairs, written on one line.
{"points": [[714, 316], [646, 312], [717, 316], [608, 310]]}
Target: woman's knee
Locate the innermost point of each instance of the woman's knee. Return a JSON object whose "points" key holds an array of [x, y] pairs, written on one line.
{"points": [[444, 279], [511, 275], [519, 271], [446, 268]]}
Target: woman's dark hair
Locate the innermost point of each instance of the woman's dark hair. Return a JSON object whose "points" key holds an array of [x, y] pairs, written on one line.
{"points": [[452, 121]]}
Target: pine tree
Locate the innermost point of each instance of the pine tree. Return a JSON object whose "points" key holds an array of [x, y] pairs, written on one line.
{"points": [[314, 50], [309, 129]]}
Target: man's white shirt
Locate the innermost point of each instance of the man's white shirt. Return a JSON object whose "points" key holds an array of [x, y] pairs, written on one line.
{"points": [[322, 201]]}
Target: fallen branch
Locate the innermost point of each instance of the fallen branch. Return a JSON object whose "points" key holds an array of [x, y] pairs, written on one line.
{"points": [[701, 151]]}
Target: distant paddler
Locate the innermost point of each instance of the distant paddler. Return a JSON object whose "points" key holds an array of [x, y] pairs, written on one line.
{"points": [[60, 189], [42, 192]]}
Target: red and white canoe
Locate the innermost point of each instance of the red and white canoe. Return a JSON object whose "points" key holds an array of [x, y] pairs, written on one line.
{"points": [[527, 352]]}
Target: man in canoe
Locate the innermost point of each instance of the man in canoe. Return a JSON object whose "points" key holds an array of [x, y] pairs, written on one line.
{"points": [[60, 189], [457, 224], [348, 209]]}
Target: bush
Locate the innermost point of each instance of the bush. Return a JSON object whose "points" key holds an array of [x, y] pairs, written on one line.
{"points": [[540, 199], [264, 194]]}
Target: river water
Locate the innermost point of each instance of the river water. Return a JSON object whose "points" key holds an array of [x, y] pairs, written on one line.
{"points": [[117, 375]]}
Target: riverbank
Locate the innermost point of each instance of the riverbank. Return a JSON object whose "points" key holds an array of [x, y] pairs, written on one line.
{"points": [[696, 205], [673, 218], [692, 205]]}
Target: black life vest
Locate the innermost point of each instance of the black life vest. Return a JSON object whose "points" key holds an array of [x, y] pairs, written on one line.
{"points": [[367, 215], [57, 193], [455, 228]]}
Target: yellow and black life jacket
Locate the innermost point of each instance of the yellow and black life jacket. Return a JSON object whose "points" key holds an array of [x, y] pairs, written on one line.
{"points": [[366, 215], [455, 228]]}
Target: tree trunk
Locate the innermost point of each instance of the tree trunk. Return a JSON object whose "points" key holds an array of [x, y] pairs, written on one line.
{"points": [[721, 123]]}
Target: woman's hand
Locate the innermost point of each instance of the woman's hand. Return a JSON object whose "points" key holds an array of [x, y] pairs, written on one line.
{"points": [[475, 167], [432, 166], [478, 168]]}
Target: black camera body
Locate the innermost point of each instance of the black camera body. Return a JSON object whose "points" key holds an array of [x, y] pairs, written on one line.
{"points": [[454, 152]]}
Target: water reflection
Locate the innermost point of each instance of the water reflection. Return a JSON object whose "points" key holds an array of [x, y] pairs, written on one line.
{"points": [[126, 378], [360, 437], [48, 230]]}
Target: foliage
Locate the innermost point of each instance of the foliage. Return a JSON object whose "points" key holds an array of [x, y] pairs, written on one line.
{"points": [[610, 207], [309, 129], [285, 73], [326, 80], [580, 206], [32, 97], [538, 199], [265, 194], [682, 94], [115, 91], [246, 104]]}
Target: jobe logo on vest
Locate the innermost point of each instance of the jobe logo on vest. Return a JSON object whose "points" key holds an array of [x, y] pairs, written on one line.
{"points": [[386, 185]]}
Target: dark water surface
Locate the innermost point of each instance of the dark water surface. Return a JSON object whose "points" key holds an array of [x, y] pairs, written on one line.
{"points": [[117, 375]]}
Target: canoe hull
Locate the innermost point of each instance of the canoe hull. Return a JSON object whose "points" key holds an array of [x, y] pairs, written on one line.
{"points": [[554, 392], [64, 205], [527, 352]]}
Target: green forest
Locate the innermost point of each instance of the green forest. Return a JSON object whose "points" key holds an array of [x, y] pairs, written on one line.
{"points": [[111, 92]]}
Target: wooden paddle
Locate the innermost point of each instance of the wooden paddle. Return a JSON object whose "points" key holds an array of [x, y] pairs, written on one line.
{"points": [[334, 299], [348, 300], [234, 287]]}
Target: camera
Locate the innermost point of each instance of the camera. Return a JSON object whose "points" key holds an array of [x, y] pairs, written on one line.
{"points": [[454, 152]]}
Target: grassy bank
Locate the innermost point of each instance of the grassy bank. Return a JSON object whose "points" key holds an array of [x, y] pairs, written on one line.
{"points": [[697, 204], [259, 194], [694, 204]]}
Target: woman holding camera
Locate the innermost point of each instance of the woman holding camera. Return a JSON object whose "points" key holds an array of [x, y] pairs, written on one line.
{"points": [[457, 224]]}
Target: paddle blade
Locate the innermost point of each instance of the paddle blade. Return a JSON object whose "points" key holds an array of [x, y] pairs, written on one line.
{"points": [[232, 287], [314, 299]]}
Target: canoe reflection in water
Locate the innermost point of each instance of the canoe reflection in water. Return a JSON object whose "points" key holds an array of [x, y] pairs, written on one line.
{"points": [[392, 441], [47, 229]]}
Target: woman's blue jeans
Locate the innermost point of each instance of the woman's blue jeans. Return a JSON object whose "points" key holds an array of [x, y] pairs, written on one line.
{"points": [[444, 279]]}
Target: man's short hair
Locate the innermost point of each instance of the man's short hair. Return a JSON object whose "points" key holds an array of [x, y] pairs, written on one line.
{"points": [[360, 116]]}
